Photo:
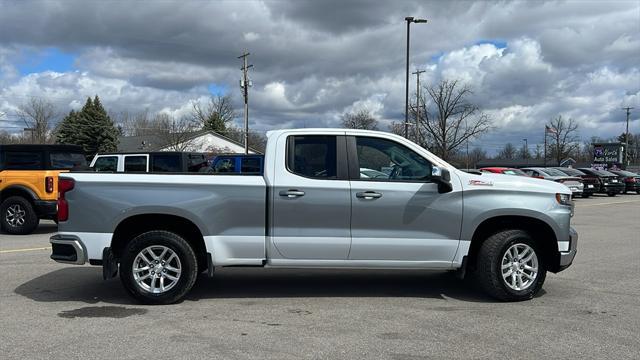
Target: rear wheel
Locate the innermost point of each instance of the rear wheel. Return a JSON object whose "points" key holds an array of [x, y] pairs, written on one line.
{"points": [[510, 266], [18, 216], [158, 267]]}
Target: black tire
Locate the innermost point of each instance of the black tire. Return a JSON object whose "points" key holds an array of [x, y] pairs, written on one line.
{"points": [[489, 266], [611, 194], [30, 217], [183, 251], [585, 196]]}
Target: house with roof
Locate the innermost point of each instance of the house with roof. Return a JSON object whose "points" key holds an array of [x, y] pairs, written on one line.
{"points": [[205, 141]]}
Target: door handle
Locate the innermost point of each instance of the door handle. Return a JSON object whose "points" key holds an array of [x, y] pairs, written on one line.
{"points": [[291, 193], [368, 195]]}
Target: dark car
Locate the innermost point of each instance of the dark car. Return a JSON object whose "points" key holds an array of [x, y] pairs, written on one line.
{"points": [[152, 162], [610, 183], [591, 182], [631, 180]]}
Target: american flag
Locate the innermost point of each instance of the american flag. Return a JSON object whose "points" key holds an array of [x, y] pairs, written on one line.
{"points": [[550, 130]]}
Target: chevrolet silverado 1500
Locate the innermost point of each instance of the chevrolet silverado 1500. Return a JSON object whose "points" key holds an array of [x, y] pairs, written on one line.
{"points": [[313, 208]]}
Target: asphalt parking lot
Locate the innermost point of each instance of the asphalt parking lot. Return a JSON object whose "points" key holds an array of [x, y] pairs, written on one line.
{"points": [[591, 310]]}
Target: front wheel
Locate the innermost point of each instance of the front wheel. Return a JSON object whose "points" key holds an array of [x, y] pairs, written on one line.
{"points": [[611, 194], [158, 267], [510, 266]]}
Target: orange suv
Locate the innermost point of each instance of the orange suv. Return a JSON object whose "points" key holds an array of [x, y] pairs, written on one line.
{"points": [[29, 183]]}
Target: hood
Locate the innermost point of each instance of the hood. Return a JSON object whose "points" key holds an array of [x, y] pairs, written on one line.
{"points": [[510, 182]]}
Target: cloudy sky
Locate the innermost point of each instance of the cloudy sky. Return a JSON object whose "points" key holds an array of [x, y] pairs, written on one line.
{"points": [[315, 60]]}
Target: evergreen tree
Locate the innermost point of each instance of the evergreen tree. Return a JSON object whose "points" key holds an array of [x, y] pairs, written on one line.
{"points": [[67, 131], [96, 132]]}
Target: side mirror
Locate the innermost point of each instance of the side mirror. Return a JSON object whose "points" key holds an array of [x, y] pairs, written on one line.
{"points": [[441, 177]]}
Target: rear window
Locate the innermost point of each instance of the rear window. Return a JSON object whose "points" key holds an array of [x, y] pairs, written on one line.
{"points": [[166, 163], [135, 164], [251, 165], [67, 160], [23, 160], [106, 164], [313, 156], [572, 172]]}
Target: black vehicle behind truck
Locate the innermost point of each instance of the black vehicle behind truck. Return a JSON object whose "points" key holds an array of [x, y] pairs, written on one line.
{"points": [[591, 182], [631, 180], [610, 183], [153, 162]]}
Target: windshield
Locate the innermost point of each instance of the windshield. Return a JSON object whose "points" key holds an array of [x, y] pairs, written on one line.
{"points": [[517, 172], [570, 171], [626, 173], [554, 172], [67, 160], [606, 173]]}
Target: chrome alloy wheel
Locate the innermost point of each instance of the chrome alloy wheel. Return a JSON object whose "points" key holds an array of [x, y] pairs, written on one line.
{"points": [[156, 269], [16, 215], [519, 266]]}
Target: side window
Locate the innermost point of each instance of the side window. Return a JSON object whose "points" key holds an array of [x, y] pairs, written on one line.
{"points": [[251, 165], [106, 164], [135, 163], [23, 160], [313, 156], [166, 163], [385, 160], [196, 162], [67, 160], [225, 165]]}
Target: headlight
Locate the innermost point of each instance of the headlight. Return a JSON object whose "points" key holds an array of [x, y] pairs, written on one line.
{"points": [[563, 199]]}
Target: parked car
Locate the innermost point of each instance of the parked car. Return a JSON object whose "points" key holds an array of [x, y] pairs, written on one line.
{"points": [[29, 183], [163, 161], [574, 183], [630, 179], [238, 164], [312, 208], [590, 182], [610, 184], [504, 170]]}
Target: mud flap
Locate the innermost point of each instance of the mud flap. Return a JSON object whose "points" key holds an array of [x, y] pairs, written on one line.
{"points": [[109, 264]]}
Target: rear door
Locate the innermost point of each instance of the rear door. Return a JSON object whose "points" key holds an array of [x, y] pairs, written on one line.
{"points": [[400, 217], [311, 199]]}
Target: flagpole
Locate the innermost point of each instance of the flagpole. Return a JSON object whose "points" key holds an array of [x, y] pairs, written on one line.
{"points": [[545, 146]]}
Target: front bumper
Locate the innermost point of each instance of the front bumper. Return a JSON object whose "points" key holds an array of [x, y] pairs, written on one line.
{"points": [[613, 188], [68, 249], [566, 257], [46, 209]]}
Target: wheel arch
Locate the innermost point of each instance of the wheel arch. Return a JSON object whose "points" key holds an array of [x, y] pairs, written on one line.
{"points": [[135, 225], [539, 230], [18, 190]]}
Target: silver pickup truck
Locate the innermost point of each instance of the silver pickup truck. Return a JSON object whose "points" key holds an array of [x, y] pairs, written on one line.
{"points": [[328, 198]]}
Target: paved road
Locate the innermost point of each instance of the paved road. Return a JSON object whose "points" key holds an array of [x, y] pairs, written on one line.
{"points": [[592, 310]]}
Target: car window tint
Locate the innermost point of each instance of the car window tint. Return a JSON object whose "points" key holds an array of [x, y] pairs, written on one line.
{"points": [[195, 162], [385, 160], [166, 163], [106, 164], [251, 165], [224, 165], [67, 160], [313, 156], [23, 160], [135, 163]]}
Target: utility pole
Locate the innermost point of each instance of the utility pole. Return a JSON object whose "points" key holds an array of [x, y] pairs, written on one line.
{"points": [[409, 20], [626, 138], [526, 151], [244, 85], [417, 73]]}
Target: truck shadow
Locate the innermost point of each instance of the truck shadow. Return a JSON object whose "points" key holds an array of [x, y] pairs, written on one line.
{"points": [[86, 285]]}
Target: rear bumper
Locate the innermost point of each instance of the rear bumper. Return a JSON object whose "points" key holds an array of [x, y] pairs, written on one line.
{"points": [[46, 209], [68, 249], [566, 257]]}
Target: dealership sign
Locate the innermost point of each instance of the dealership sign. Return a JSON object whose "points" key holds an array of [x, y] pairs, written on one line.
{"points": [[611, 154]]}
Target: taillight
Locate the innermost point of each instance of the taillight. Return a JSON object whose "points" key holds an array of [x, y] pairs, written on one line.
{"points": [[48, 184], [64, 185]]}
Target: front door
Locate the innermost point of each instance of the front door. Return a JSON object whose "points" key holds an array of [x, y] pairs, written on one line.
{"points": [[311, 200], [397, 213]]}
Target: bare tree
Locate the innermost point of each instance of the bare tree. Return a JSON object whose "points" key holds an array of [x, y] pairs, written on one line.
{"points": [[257, 140], [176, 134], [564, 137], [214, 115], [508, 152], [37, 114], [450, 119], [539, 152], [476, 155], [359, 120]]}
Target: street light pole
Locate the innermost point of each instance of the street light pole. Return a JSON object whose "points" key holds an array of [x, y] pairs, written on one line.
{"points": [[409, 20], [417, 132], [626, 138], [526, 151]]}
